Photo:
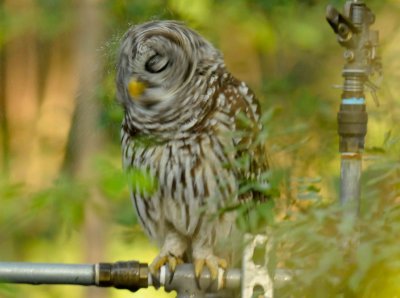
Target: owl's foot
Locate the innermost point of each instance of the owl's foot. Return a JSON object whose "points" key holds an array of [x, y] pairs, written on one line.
{"points": [[162, 260], [171, 253], [213, 263]]}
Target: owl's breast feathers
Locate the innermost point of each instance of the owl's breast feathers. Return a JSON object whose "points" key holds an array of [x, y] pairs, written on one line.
{"points": [[225, 137]]}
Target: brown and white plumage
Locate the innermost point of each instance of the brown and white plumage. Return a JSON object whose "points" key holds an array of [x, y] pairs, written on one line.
{"points": [[192, 111]]}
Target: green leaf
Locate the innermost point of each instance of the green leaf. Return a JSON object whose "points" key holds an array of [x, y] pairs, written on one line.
{"points": [[142, 182]]}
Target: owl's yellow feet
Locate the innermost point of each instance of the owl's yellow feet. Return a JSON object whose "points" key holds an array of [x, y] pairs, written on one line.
{"points": [[212, 262], [162, 260], [170, 254]]}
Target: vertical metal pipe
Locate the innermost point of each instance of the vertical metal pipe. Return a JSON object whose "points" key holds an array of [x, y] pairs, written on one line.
{"points": [[350, 175], [352, 128]]}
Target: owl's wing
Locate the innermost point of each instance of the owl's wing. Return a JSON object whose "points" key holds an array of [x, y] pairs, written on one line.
{"points": [[251, 162]]}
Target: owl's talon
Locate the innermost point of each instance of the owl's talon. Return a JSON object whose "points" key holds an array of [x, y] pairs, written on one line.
{"points": [[198, 267], [212, 263], [222, 263], [213, 270], [157, 263], [161, 260], [172, 262]]}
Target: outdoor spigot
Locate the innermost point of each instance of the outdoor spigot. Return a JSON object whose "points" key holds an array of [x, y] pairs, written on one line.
{"points": [[340, 24], [361, 62]]}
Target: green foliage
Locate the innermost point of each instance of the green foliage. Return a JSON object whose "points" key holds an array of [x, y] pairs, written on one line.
{"points": [[338, 255], [308, 188], [7, 290], [42, 213], [253, 217], [335, 253], [113, 185], [112, 181], [142, 181], [45, 18]]}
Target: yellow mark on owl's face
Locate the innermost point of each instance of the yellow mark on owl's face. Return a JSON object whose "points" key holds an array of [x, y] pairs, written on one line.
{"points": [[136, 88]]}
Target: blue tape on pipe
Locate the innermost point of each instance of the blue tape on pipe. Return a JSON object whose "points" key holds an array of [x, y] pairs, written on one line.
{"points": [[353, 101]]}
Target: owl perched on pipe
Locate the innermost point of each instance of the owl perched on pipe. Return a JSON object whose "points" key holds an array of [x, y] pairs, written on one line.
{"points": [[188, 123]]}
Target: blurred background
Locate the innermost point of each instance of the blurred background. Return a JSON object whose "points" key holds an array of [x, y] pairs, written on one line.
{"points": [[63, 196]]}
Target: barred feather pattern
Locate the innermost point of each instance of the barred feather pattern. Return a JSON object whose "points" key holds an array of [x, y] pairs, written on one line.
{"points": [[191, 117]]}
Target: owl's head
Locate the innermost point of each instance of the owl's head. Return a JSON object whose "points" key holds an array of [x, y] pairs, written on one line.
{"points": [[157, 61]]}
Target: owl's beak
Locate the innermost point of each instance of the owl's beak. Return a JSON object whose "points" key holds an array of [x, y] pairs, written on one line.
{"points": [[136, 88]]}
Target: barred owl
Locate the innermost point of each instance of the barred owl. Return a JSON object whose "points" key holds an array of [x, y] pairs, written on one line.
{"points": [[187, 122]]}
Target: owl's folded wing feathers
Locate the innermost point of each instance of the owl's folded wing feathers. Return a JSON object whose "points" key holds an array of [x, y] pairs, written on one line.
{"points": [[251, 160]]}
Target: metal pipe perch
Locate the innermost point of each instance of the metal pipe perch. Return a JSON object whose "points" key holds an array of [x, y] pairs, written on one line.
{"points": [[130, 275], [41, 273]]}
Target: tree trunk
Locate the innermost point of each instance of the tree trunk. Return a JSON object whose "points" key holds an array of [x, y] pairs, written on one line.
{"points": [[87, 135], [3, 123], [20, 91], [55, 115]]}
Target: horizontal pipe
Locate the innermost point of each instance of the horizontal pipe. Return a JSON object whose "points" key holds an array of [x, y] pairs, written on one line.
{"points": [[93, 275], [43, 273]]}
